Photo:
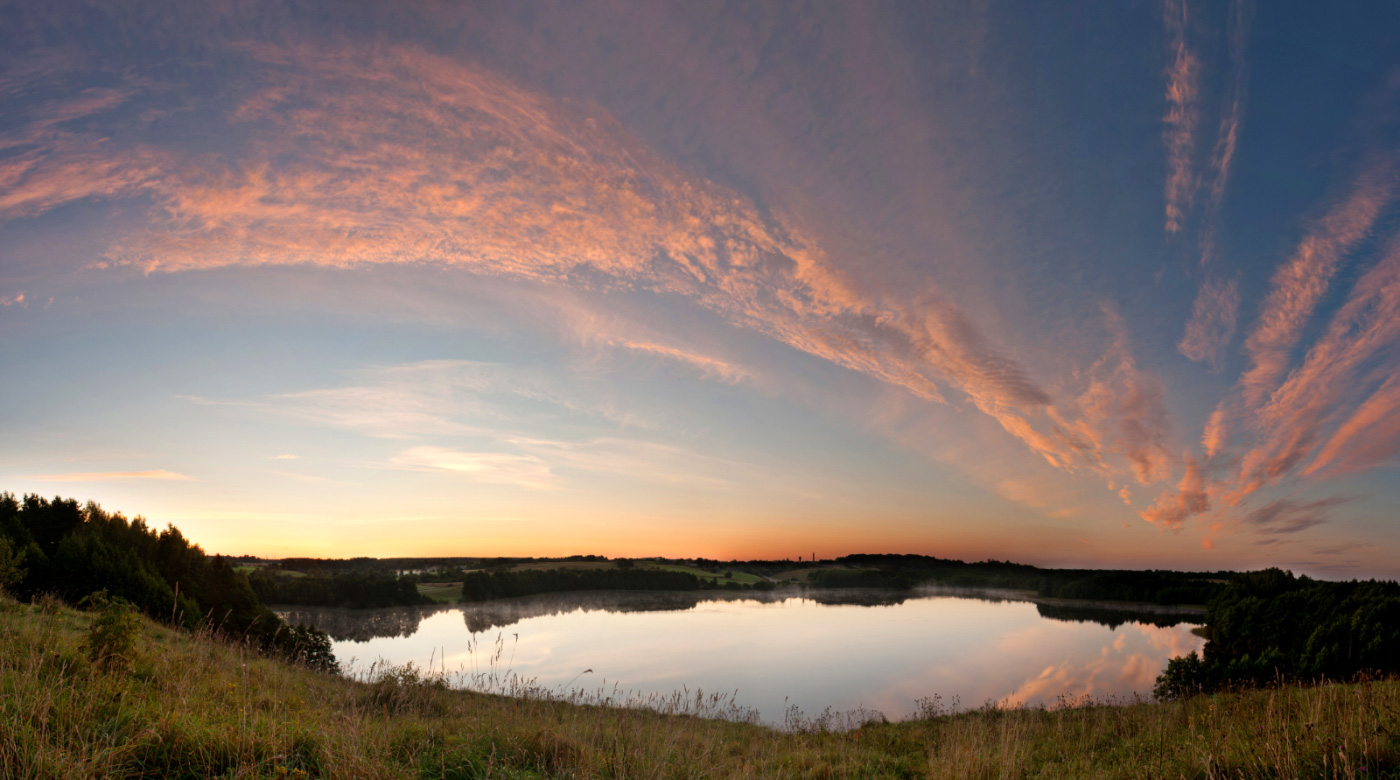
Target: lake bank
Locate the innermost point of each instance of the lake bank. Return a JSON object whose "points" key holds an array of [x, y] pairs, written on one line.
{"points": [[201, 708]]}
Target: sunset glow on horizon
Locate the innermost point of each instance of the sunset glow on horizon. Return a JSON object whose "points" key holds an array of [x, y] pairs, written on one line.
{"points": [[1113, 286]]}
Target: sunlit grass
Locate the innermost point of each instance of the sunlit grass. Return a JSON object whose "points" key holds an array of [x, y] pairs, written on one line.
{"points": [[195, 707], [441, 592], [741, 577]]}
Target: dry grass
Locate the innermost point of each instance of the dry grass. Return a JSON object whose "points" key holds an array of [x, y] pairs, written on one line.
{"points": [[195, 707]]}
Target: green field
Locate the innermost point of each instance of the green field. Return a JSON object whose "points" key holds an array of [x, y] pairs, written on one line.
{"points": [[441, 592], [741, 577], [194, 707]]}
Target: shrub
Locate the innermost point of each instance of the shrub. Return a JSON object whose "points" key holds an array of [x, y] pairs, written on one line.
{"points": [[1184, 676], [11, 572], [310, 647], [111, 641]]}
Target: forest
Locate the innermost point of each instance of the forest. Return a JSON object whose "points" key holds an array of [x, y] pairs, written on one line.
{"points": [[907, 571], [355, 589], [1270, 626], [74, 551]]}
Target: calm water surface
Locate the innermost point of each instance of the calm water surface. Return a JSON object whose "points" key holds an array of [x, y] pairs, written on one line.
{"points": [[843, 651]]}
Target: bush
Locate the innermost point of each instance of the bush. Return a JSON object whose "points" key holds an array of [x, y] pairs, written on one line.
{"points": [[11, 572], [310, 647], [1184, 676], [111, 642]]}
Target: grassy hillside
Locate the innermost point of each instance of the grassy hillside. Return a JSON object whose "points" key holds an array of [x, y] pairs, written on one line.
{"points": [[441, 592], [741, 577], [191, 706]]}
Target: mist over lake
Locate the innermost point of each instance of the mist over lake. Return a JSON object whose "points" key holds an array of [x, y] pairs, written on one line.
{"points": [[842, 651]]}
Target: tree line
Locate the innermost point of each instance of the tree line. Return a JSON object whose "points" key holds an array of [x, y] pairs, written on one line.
{"points": [[76, 550], [907, 571], [354, 588], [484, 585]]}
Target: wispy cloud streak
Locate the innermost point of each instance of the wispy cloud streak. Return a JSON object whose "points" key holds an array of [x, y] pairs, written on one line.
{"points": [[1290, 516], [106, 476], [1212, 322], [1336, 372], [1181, 119], [1299, 284], [1211, 327], [494, 467]]}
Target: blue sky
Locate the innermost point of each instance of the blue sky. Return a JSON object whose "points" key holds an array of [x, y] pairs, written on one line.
{"points": [[1111, 284]]}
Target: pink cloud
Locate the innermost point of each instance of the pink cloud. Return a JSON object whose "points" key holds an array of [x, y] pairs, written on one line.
{"points": [[1212, 322], [1370, 437], [1297, 416], [1181, 119], [1124, 409], [1299, 284]]}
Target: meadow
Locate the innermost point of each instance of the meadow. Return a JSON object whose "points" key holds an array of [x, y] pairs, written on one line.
{"points": [[741, 577], [185, 704], [441, 592]]}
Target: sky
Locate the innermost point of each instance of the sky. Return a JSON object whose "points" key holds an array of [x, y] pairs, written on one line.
{"points": [[1110, 284]]}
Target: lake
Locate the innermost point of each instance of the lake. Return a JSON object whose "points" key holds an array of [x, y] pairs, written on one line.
{"points": [[781, 658]]}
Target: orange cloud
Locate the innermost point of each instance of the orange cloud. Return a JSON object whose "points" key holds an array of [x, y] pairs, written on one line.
{"points": [[1215, 435], [708, 366], [1190, 498], [103, 476]]}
